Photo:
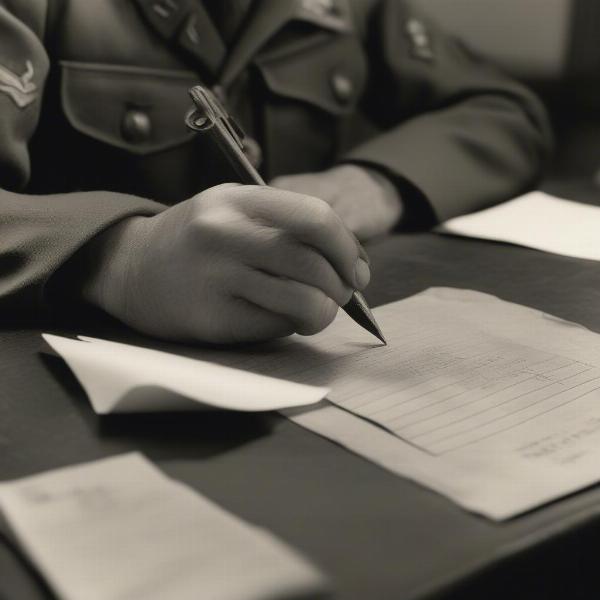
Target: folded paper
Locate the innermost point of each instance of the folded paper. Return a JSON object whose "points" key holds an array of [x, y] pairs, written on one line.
{"points": [[121, 378]]}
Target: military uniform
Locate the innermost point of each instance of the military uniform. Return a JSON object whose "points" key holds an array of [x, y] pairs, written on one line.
{"points": [[93, 95]]}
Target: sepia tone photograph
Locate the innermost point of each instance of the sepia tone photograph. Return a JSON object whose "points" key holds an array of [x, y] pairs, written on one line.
{"points": [[299, 299]]}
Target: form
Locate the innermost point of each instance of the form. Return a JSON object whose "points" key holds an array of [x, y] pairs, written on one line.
{"points": [[537, 220], [119, 529], [493, 404]]}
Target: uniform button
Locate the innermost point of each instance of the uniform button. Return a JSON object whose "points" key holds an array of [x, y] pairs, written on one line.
{"points": [[136, 126], [342, 86]]}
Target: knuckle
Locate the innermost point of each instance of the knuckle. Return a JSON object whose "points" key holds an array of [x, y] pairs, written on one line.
{"points": [[323, 221], [203, 225], [212, 230]]}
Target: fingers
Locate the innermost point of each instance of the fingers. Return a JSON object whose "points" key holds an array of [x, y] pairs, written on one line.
{"points": [[248, 322], [312, 222], [307, 308], [301, 263]]}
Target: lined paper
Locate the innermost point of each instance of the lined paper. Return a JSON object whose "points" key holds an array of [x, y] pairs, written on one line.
{"points": [[448, 395], [493, 404]]}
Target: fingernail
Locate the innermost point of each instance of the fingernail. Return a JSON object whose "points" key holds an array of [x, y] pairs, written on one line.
{"points": [[363, 254], [361, 251], [362, 274]]}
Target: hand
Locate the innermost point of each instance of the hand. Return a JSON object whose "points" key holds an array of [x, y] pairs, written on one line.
{"points": [[367, 202], [232, 264]]}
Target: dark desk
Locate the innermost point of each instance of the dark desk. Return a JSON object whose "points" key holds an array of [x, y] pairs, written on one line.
{"points": [[378, 535]]}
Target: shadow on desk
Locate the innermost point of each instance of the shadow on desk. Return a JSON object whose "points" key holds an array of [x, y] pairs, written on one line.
{"points": [[165, 435]]}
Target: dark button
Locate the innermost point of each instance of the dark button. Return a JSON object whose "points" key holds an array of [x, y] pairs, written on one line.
{"points": [[136, 126], [343, 87]]}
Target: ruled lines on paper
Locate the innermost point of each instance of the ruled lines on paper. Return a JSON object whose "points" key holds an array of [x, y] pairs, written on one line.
{"points": [[442, 384], [492, 404], [470, 391]]}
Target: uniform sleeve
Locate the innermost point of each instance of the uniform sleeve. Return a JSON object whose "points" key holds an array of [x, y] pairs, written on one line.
{"points": [[458, 134], [38, 234]]}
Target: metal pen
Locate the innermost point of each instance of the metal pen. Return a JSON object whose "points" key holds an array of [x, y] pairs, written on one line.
{"points": [[211, 118]]}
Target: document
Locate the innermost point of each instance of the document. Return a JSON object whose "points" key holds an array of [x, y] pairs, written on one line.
{"points": [[121, 378], [536, 220], [118, 529], [495, 405]]}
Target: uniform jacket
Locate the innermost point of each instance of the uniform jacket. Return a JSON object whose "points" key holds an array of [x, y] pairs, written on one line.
{"points": [[93, 95]]}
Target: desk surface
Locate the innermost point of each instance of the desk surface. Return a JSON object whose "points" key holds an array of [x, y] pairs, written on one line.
{"points": [[377, 535]]}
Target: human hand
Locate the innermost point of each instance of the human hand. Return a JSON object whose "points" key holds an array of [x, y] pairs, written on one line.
{"points": [[367, 202], [232, 264]]}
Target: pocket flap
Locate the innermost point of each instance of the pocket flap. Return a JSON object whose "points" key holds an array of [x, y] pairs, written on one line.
{"points": [[137, 109], [328, 72]]}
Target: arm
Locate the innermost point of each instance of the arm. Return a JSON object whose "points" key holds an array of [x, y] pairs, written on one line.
{"points": [[232, 264], [457, 132], [457, 135], [38, 234]]}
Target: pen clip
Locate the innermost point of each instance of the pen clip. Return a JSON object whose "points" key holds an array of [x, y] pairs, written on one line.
{"points": [[210, 112]]}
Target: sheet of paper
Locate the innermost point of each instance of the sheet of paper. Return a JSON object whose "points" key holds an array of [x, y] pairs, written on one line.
{"points": [[493, 404], [123, 378], [118, 529], [536, 220]]}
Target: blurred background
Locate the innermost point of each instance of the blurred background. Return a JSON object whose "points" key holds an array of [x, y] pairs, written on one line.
{"points": [[554, 46]]}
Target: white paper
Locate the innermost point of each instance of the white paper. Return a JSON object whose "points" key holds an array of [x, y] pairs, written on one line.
{"points": [[492, 404], [118, 529], [536, 220], [123, 378]]}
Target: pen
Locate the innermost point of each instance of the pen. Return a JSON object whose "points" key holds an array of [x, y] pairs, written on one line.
{"points": [[211, 118]]}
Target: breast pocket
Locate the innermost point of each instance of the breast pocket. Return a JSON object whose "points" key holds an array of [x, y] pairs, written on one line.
{"points": [[312, 86], [130, 129]]}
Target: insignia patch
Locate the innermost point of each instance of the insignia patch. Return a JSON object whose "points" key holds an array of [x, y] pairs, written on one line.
{"points": [[18, 87]]}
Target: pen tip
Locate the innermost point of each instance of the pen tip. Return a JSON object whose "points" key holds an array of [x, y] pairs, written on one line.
{"points": [[359, 310], [379, 335]]}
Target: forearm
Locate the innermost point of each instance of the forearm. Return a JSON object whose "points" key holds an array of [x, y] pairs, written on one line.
{"points": [[459, 131], [457, 166], [39, 235]]}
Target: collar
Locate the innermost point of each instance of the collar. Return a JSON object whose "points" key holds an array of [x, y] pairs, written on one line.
{"points": [[186, 26]]}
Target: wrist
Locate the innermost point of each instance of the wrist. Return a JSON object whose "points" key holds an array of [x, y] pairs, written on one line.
{"points": [[389, 193], [110, 260]]}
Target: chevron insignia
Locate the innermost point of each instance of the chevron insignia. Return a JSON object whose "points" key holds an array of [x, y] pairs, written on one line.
{"points": [[18, 87]]}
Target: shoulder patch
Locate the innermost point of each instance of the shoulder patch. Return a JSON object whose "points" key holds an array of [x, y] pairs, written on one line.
{"points": [[20, 88]]}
